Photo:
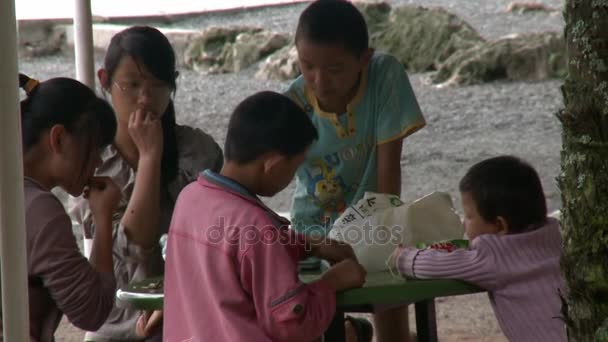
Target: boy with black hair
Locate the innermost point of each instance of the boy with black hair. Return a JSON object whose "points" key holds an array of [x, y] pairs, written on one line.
{"points": [[363, 106], [514, 254], [505, 190], [232, 265]]}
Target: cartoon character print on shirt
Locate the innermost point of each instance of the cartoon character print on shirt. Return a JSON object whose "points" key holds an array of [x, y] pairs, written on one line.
{"points": [[327, 190]]}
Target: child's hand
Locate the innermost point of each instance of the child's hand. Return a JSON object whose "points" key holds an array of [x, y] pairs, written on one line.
{"points": [[334, 251], [345, 275], [103, 195], [146, 131], [149, 323]]}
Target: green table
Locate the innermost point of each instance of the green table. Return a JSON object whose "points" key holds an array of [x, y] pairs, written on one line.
{"points": [[380, 289], [143, 295], [385, 289]]}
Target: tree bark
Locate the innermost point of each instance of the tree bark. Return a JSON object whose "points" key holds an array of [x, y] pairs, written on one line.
{"points": [[584, 164]]}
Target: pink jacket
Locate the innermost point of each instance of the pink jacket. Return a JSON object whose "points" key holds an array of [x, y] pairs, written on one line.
{"points": [[231, 271]]}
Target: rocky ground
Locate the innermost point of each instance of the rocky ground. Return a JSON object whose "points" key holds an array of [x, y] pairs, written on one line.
{"points": [[465, 124]]}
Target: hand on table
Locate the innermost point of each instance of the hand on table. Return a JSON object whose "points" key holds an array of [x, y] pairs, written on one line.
{"points": [[331, 250], [345, 275]]}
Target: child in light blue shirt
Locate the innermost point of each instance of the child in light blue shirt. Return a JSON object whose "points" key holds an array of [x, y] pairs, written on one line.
{"points": [[343, 163], [363, 106]]}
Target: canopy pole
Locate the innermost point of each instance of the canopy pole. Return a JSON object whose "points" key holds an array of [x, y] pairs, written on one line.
{"points": [[83, 43], [15, 315]]}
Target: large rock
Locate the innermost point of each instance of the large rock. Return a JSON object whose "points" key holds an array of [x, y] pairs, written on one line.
{"points": [[207, 52], [282, 65], [221, 50], [376, 14], [250, 48], [524, 57], [40, 38], [526, 7], [103, 33], [422, 38]]}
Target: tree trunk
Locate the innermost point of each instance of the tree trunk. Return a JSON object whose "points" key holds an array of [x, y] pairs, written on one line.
{"points": [[584, 163]]}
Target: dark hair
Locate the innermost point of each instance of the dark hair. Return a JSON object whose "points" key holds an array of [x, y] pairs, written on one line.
{"points": [[509, 187], [334, 22], [266, 122], [149, 47], [66, 102]]}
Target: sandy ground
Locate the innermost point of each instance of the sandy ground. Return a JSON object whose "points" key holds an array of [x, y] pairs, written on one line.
{"points": [[465, 125]]}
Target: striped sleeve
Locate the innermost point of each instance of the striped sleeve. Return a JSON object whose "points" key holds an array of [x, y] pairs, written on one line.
{"points": [[475, 266]]}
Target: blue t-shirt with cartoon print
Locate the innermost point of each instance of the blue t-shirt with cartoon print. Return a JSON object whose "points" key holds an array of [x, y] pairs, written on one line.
{"points": [[342, 164]]}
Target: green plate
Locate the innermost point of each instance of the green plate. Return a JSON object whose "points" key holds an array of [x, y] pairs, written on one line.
{"points": [[459, 243]]}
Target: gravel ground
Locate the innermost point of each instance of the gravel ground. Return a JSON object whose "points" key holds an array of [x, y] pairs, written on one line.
{"points": [[488, 17], [465, 124]]}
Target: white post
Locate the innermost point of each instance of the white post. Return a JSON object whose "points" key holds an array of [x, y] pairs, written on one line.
{"points": [[83, 43], [15, 314]]}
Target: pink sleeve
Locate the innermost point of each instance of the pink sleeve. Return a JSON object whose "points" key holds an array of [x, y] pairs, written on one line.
{"points": [[299, 244], [288, 309], [473, 266]]}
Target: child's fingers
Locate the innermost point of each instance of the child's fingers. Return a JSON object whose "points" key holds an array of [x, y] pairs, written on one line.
{"points": [[142, 118], [140, 327], [133, 117], [146, 323], [154, 322], [139, 116], [151, 117]]}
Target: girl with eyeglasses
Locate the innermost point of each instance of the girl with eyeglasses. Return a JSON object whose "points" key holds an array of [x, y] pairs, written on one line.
{"points": [[151, 159]]}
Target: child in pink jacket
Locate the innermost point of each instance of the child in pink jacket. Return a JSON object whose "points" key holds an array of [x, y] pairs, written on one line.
{"points": [[231, 272], [514, 254]]}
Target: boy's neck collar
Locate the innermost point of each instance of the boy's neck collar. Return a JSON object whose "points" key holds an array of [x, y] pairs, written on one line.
{"points": [[230, 181], [233, 186]]}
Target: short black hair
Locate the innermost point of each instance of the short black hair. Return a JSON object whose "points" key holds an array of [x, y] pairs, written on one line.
{"points": [[334, 22], [509, 187], [267, 122]]}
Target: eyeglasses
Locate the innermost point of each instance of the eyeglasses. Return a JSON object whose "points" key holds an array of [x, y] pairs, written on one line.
{"points": [[135, 88]]}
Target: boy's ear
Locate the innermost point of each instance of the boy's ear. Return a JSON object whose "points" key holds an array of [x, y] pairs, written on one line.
{"points": [[502, 225], [271, 161], [104, 79], [56, 138]]}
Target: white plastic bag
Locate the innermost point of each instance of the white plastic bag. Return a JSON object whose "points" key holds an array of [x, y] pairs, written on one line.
{"points": [[432, 218], [378, 223]]}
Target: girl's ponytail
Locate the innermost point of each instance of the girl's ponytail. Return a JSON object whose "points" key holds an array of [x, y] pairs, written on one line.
{"points": [[28, 84], [66, 102]]}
